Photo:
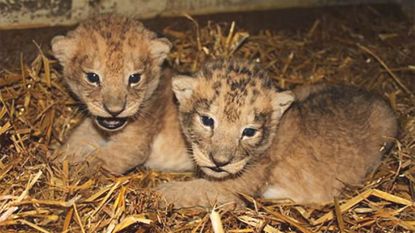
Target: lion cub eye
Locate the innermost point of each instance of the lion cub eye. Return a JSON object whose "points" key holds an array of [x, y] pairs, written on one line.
{"points": [[134, 79], [249, 132], [93, 78], [207, 121]]}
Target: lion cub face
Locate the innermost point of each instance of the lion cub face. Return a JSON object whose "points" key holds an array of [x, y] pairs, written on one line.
{"points": [[113, 65], [229, 112]]}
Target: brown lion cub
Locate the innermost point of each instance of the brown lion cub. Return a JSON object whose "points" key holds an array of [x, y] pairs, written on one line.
{"points": [[113, 64], [247, 137]]}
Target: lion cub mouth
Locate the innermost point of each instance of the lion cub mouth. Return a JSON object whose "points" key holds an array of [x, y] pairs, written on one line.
{"points": [[215, 172], [111, 123]]}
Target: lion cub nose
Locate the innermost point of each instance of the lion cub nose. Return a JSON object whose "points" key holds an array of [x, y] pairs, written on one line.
{"points": [[219, 161], [114, 110]]}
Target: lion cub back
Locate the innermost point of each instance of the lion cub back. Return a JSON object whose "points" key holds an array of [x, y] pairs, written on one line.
{"points": [[332, 136]]}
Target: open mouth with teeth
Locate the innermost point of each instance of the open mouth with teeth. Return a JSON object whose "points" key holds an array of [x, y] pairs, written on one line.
{"points": [[111, 123]]}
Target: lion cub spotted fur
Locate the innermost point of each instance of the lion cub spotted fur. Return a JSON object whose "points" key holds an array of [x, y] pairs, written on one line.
{"points": [[247, 137], [113, 65]]}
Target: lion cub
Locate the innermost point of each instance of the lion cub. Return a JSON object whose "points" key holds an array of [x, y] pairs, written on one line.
{"points": [[113, 65], [247, 137]]}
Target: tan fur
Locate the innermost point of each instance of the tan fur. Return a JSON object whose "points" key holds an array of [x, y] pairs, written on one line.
{"points": [[114, 48], [330, 136]]}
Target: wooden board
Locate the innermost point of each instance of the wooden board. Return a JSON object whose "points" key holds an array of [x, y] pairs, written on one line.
{"points": [[40, 13]]}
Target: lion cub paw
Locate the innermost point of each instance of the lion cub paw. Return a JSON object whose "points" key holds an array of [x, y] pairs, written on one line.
{"points": [[196, 193]]}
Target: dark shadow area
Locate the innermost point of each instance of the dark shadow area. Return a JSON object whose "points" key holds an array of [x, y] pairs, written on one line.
{"points": [[17, 43]]}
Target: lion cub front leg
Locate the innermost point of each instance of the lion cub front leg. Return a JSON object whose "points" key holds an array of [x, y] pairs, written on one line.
{"points": [[197, 193], [126, 150], [83, 142], [208, 193]]}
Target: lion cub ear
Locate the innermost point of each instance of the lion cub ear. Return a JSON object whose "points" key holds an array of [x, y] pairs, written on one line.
{"points": [[159, 49], [282, 101], [63, 48], [183, 87]]}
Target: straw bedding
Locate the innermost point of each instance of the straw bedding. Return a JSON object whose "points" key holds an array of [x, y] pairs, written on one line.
{"points": [[37, 112]]}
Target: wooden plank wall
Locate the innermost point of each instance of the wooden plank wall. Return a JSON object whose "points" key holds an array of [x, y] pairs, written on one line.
{"points": [[42, 13]]}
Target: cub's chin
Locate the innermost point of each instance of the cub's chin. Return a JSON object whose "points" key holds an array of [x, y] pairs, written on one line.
{"points": [[111, 124]]}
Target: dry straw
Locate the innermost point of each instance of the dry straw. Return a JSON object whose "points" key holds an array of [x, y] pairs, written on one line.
{"points": [[36, 112]]}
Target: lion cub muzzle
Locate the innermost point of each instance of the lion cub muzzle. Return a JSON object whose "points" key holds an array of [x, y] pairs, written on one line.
{"points": [[114, 105]]}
